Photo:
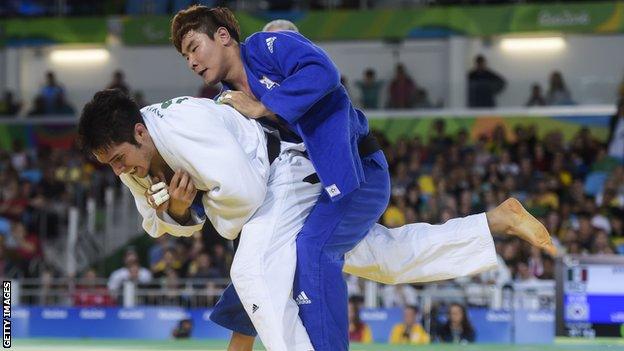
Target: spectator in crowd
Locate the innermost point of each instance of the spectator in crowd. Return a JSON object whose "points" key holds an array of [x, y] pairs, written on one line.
{"points": [[170, 260], [171, 287], [410, 331], [222, 259], [617, 223], [7, 267], [14, 202], [184, 329], [39, 107], [601, 244], [131, 271], [50, 93], [558, 93], [615, 141], [536, 98], [457, 329], [46, 283], [483, 84], [402, 89], [8, 105], [90, 292], [119, 82], [421, 99], [62, 107], [156, 252], [202, 268], [370, 88], [358, 330], [26, 247], [524, 273], [394, 216], [439, 141]]}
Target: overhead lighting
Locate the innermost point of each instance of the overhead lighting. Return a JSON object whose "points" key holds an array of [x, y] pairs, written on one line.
{"points": [[533, 44], [79, 56]]}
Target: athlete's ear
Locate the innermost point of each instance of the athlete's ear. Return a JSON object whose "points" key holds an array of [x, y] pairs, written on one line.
{"points": [[223, 36], [140, 133]]}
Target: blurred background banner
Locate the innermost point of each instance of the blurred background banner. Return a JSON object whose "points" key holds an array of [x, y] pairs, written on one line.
{"points": [[588, 17], [42, 31], [495, 326]]}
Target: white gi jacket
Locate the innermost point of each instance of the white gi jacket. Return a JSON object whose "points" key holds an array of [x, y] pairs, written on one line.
{"points": [[225, 155]]}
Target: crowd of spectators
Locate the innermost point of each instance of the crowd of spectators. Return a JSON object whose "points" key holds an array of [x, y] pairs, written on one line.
{"points": [[576, 188], [51, 98], [447, 324], [403, 91], [37, 186], [483, 86], [170, 261]]}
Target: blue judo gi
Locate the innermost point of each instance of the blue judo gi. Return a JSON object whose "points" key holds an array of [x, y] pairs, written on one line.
{"points": [[297, 81]]}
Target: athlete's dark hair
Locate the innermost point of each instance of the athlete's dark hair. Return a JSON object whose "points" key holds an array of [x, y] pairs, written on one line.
{"points": [[204, 20], [108, 119]]}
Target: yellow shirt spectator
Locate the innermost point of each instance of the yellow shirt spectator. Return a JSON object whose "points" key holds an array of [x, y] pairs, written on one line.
{"points": [[363, 334], [393, 217], [416, 336], [409, 332]]}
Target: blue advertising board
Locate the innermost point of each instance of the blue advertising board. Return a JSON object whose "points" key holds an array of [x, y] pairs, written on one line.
{"points": [[492, 326]]}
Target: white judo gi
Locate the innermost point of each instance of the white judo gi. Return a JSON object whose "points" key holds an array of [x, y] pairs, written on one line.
{"points": [[225, 154]]}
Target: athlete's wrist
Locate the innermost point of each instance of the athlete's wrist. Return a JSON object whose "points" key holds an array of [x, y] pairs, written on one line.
{"points": [[181, 216]]}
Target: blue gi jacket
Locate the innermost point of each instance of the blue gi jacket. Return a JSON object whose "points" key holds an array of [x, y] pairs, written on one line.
{"points": [[297, 81]]}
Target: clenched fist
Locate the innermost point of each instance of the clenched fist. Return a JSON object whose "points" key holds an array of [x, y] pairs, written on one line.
{"points": [[176, 198]]}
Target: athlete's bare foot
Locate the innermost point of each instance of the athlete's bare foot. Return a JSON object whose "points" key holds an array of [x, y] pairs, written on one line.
{"points": [[512, 218]]}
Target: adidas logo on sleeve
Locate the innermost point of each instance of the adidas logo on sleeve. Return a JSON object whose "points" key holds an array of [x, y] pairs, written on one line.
{"points": [[269, 42], [302, 299]]}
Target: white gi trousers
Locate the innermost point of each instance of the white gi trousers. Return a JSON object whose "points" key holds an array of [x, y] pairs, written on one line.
{"points": [[264, 265]]}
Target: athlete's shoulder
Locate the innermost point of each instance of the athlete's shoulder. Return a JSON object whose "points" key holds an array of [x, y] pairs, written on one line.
{"points": [[175, 105], [266, 41]]}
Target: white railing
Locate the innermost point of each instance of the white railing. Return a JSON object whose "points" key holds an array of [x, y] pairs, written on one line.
{"points": [[161, 292], [537, 295], [82, 243]]}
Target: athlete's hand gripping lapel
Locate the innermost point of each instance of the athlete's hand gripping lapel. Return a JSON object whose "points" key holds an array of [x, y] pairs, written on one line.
{"points": [[176, 198], [247, 105]]}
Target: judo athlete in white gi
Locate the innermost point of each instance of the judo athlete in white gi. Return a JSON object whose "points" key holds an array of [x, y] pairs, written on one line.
{"points": [[225, 155]]}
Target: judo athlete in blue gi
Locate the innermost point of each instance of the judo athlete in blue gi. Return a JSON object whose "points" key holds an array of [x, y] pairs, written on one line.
{"points": [[285, 78]]}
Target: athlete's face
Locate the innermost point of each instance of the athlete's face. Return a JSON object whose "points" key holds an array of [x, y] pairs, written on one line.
{"points": [[129, 158], [207, 57]]}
